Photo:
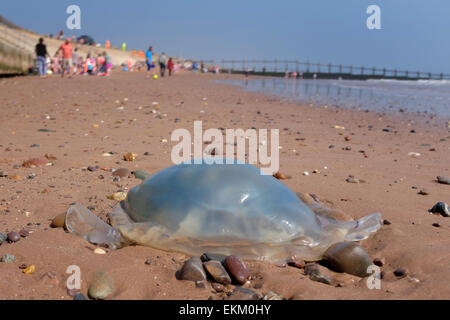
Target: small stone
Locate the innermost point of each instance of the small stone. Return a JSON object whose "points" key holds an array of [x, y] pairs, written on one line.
{"points": [[319, 277], [217, 272], [213, 256], [146, 153], [436, 224], [279, 175], [101, 287], [118, 196], [243, 294], [400, 272], [148, 261], [386, 130], [121, 173], [29, 270], [141, 174], [99, 251], [130, 156], [79, 296], [34, 145], [297, 263], [3, 174], [347, 138], [217, 287], [272, 296], [35, 162], [59, 221], [8, 258], [386, 222], [379, 261], [13, 236], [3, 237], [348, 257], [352, 180], [237, 269], [24, 233], [424, 192], [440, 208], [192, 270], [50, 156], [200, 284], [92, 168], [443, 180]]}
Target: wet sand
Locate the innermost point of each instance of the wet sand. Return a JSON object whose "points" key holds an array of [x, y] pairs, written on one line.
{"points": [[85, 122]]}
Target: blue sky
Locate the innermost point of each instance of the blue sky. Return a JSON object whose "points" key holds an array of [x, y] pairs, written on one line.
{"points": [[414, 35]]}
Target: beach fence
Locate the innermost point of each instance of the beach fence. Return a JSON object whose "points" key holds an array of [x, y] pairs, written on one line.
{"points": [[307, 69]]}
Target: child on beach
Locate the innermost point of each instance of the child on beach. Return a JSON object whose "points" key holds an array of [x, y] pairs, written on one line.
{"points": [[170, 66]]}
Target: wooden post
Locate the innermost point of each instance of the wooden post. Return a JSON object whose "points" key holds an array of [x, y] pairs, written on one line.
{"points": [[318, 67], [329, 68], [264, 66], [307, 66], [275, 67], [429, 75], [223, 64], [351, 70], [406, 74], [418, 74], [362, 70], [232, 65], [384, 72], [340, 68], [395, 73], [296, 66], [373, 71], [441, 75], [286, 64]]}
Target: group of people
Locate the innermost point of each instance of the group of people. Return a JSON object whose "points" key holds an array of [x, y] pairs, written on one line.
{"points": [[163, 61], [67, 60]]}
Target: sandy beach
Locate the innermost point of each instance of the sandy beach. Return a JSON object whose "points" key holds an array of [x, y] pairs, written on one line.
{"points": [[85, 120]]}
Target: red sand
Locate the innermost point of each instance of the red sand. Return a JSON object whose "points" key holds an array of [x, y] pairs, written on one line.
{"points": [[74, 106]]}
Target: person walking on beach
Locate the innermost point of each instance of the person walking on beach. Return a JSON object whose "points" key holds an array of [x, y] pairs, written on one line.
{"points": [[162, 64], [66, 49], [41, 53], [170, 66], [149, 59]]}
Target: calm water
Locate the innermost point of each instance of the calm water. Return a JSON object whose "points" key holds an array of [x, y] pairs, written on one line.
{"points": [[421, 96]]}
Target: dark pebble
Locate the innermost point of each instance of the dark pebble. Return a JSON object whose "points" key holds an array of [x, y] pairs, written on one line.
{"points": [[436, 224], [13, 236], [80, 296], [35, 145], [379, 262], [236, 269], [148, 261], [192, 270], [243, 294], [200, 284], [24, 233], [217, 287], [217, 272], [443, 180], [331, 146], [121, 173], [441, 208], [146, 153], [92, 168], [400, 272], [386, 222], [213, 256], [3, 237]]}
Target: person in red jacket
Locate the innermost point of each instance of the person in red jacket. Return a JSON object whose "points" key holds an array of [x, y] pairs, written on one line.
{"points": [[170, 66]]}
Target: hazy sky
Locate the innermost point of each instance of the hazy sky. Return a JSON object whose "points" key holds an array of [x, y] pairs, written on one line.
{"points": [[415, 34]]}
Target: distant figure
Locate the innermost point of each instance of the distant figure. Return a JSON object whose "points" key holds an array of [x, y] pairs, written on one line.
{"points": [[149, 58], [108, 44], [170, 66], [108, 64], [66, 49], [75, 60], [162, 64], [124, 46], [41, 53]]}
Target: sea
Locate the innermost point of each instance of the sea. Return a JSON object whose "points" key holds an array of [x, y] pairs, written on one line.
{"points": [[425, 97]]}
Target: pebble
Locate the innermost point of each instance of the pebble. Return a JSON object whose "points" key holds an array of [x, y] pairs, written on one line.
{"points": [[99, 251], [24, 233], [92, 168], [379, 261], [146, 153], [424, 192], [148, 261], [217, 272], [59, 221], [386, 222], [3, 237], [118, 196], [8, 258], [348, 257], [130, 156], [436, 224], [441, 208], [121, 173], [3, 174], [312, 270], [34, 145], [272, 296], [13, 236], [400, 272], [298, 263], [213, 256], [141, 174], [192, 270], [101, 287], [443, 180], [217, 287], [79, 296], [30, 269], [243, 294], [200, 284], [35, 162], [279, 175], [352, 180], [237, 269]]}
